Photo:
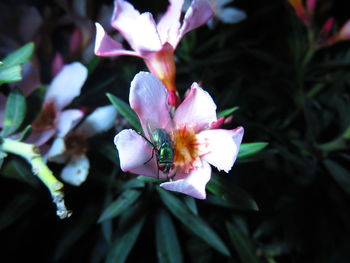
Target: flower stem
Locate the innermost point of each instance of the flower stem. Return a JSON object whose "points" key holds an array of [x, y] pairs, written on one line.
{"points": [[31, 153]]}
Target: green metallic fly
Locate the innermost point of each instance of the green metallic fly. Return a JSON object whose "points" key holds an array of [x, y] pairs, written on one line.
{"points": [[162, 147]]}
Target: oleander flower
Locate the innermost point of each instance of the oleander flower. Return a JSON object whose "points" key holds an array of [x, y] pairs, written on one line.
{"points": [[196, 145], [65, 86], [155, 43], [223, 12], [305, 13], [71, 145]]}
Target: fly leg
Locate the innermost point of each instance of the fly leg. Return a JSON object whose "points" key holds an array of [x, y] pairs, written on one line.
{"points": [[151, 157]]}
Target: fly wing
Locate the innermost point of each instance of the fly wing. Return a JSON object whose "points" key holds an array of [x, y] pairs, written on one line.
{"points": [[150, 129]]}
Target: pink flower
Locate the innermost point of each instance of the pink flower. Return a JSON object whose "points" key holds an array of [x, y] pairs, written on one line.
{"points": [[64, 88], [155, 43], [71, 145], [304, 14], [342, 35], [195, 144]]}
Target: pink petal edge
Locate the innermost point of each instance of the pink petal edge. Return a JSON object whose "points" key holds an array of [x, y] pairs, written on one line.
{"points": [[106, 46], [197, 110], [192, 184], [134, 152], [149, 99]]}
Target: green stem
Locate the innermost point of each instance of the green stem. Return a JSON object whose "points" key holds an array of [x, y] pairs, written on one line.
{"points": [[31, 153]]}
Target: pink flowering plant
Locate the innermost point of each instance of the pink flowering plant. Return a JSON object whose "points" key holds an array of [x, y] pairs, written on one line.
{"points": [[174, 131], [195, 144], [154, 42]]}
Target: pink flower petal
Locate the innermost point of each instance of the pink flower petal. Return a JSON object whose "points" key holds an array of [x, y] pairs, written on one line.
{"points": [[76, 170], [197, 110], [67, 120], [138, 29], [66, 85], [39, 138], [192, 184], [149, 99], [344, 32], [169, 24], [57, 149], [198, 14], [222, 147], [134, 153], [106, 46], [100, 120]]}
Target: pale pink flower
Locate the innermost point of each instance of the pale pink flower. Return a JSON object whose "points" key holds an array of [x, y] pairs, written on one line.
{"points": [[71, 145], [195, 143], [63, 89], [223, 12], [154, 42], [342, 35]]}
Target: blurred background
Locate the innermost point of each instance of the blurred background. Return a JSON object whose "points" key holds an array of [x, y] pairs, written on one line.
{"points": [[287, 203]]}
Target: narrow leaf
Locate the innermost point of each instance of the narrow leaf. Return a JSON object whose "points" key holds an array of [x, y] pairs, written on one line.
{"points": [[15, 209], [14, 112], [123, 242], [339, 174], [194, 223], [227, 112], [3, 155], [125, 110], [148, 179], [10, 74], [19, 56], [247, 149], [191, 204], [126, 199], [168, 247], [236, 196], [243, 245]]}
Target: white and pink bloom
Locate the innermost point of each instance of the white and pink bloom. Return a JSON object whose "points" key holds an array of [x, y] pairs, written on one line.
{"points": [[71, 145], [154, 42], [63, 89], [223, 12], [195, 143]]}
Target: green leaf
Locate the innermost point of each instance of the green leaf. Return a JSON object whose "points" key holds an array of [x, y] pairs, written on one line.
{"points": [[194, 223], [15, 209], [126, 199], [10, 74], [124, 241], [247, 149], [227, 112], [14, 112], [243, 245], [168, 247], [133, 183], [19, 169], [34, 104], [148, 179], [125, 110], [3, 155], [19, 56], [339, 174], [236, 196], [191, 204], [109, 151]]}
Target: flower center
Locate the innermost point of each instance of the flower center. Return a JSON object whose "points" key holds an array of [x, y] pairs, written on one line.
{"points": [[185, 148], [46, 119], [76, 144]]}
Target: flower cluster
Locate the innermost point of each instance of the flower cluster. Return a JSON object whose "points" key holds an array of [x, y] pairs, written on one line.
{"points": [[306, 14], [180, 138]]}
